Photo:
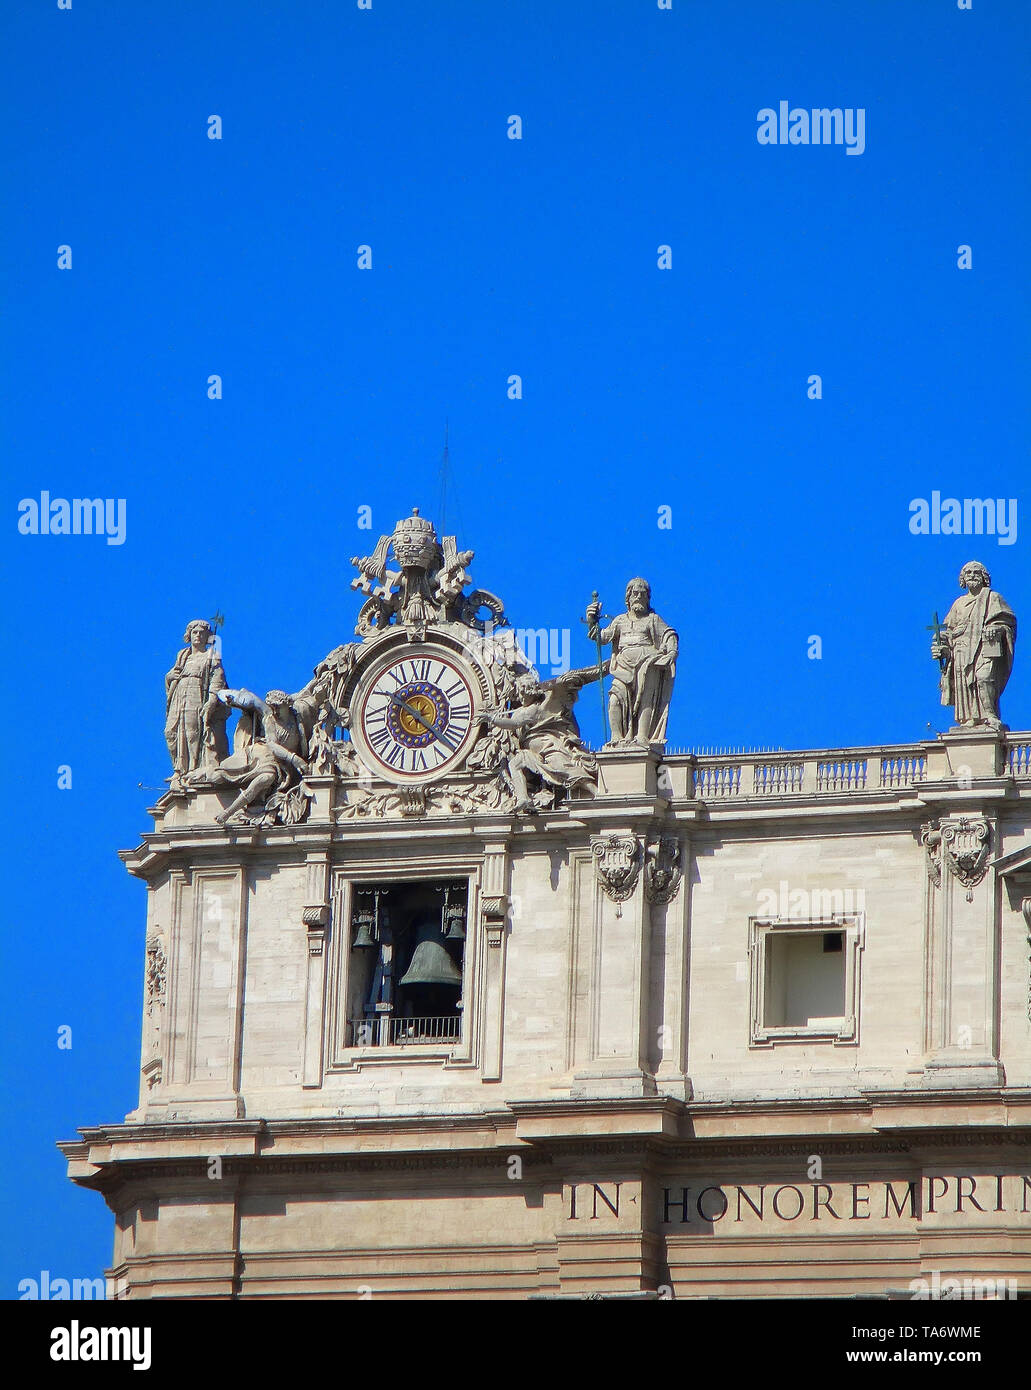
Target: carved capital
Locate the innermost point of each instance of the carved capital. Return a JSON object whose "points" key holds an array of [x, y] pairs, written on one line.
{"points": [[965, 844], [152, 1070], [662, 870], [617, 865], [495, 908], [315, 917]]}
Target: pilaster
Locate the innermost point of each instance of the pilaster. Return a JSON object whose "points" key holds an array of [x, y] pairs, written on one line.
{"points": [[315, 916], [962, 958]]}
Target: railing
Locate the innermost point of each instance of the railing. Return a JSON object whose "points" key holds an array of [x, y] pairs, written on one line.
{"points": [[903, 769], [389, 1031], [847, 770], [842, 775], [722, 776], [717, 779], [445, 1028], [774, 779]]}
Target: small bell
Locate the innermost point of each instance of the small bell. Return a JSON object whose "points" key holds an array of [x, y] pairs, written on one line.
{"points": [[455, 924], [363, 937]]}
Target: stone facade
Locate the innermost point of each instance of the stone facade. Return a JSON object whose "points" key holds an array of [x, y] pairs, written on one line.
{"points": [[726, 1025]]}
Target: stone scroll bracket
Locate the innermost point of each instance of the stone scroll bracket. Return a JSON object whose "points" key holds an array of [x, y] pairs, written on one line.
{"points": [[663, 869], [930, 838]]}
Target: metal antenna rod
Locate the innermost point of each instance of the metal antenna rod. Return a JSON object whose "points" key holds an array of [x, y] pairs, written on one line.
{"points": [[443, 479], [601, 674]]}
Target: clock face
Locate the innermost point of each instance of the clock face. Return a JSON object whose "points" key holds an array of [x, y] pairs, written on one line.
{"points": [[415, 715]]}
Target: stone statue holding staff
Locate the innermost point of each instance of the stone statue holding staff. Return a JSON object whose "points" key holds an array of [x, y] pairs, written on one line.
{"points": [[642, 666]]}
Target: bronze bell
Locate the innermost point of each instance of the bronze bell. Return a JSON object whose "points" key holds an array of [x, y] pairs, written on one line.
{"points": [[456, 924], [430, 963], [363, 937]]}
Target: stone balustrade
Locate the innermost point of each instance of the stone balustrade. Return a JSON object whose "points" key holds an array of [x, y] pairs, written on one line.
{"points": [[723, 776]]}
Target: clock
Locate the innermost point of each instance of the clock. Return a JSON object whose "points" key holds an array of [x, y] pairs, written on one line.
{"points": [[413, 713]]}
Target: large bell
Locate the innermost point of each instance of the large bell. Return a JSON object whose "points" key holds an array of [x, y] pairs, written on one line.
{"points": [[430, 963]]}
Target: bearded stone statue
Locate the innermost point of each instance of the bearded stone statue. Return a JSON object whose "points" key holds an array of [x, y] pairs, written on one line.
{"points": [[642, 666], [974, 648]]}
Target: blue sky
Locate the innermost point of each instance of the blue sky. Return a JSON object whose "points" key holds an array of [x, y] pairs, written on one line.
{"points": [[642, 388]]}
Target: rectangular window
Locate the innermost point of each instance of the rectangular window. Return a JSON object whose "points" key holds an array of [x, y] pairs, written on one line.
{"points": [[805, 979]]}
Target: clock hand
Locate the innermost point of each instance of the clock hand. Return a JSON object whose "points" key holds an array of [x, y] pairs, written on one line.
{"points": [[414, 713]]}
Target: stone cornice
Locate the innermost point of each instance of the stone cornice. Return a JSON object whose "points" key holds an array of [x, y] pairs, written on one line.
{"points": [[910, 1120], [161, 850], [559, 1158], [208, 846], [1015, 865]]}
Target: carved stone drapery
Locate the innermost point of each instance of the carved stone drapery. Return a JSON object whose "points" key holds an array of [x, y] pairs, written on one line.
{"points": [[157, 967], [965, 843], [617, 865], [1025, 908], [156, 977], [662, 869]]}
